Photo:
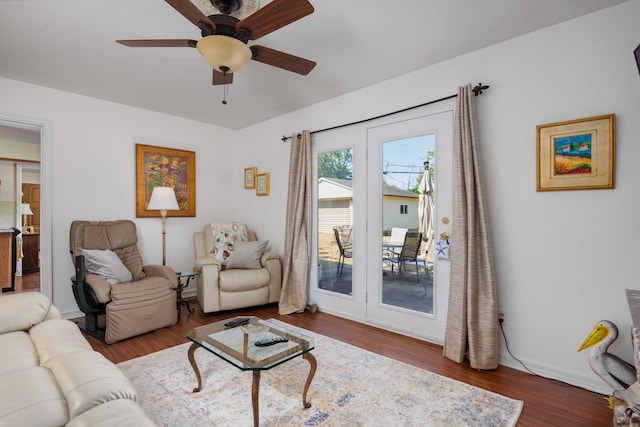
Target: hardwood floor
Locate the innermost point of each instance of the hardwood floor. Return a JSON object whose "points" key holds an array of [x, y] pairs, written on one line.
{"points": [[546, 402]]}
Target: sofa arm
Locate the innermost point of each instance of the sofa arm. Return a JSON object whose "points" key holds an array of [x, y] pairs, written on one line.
{"points": [[162, 271], [101, 288], [206, 260], [208, 287], [268, 256], [271, 261], [21, 311]]}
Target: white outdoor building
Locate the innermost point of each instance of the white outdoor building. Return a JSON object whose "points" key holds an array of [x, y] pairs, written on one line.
{"points": [[335, 205]]}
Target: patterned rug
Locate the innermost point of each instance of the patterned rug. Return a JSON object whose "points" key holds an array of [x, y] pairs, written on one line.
{"points": [[351, 387]]}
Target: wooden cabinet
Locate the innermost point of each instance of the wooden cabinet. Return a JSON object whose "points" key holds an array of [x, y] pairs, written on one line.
{"points": [[6, 238], [31, 253]]}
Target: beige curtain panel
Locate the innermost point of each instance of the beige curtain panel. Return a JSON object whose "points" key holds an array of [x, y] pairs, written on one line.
{"points": [[297, 240], [472, 319]]}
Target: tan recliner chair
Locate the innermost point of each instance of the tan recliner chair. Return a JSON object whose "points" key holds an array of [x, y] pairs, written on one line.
{"points": [[142, 302], [230, 288]]}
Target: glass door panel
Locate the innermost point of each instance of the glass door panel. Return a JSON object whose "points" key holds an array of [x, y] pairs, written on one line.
{"points": [[335, 246], [407, 279]]}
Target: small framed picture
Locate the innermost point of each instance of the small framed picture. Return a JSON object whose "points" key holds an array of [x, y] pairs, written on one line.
{"points": [[262, 184], [250, 178], [576, 154]]}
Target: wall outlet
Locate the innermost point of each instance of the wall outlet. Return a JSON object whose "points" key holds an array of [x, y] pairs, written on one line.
{"points": [[501, 315]]}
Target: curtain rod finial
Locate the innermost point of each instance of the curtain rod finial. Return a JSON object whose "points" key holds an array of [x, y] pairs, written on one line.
{"points": [[477, 90], [284, 138]]}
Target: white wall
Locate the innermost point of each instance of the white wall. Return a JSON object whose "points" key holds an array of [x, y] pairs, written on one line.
{"points": [[563, 259], [93, 175]]}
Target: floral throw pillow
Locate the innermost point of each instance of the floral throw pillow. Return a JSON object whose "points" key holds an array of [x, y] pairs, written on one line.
{"points": [[225, 236]]}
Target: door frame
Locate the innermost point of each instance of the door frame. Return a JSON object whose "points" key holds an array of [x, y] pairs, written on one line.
{"points": [[46, 171], [429, 327]]}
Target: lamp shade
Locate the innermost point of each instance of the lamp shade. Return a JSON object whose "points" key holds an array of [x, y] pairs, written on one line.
{"points": [[224, 53], [26, 209], [163, 199]]}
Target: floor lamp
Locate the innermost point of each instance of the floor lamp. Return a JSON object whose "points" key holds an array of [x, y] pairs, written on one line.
{"points": [[163, 199]]}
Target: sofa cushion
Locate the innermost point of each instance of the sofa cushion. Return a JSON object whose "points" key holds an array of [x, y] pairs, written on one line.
{"points": [[247, 255], [116, 413], [16, 352], [56, 338], [106, 263], [87, 379], [31, 397], [20, 311], [243, 280]]}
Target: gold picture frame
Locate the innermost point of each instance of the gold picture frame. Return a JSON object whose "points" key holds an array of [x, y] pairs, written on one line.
{"points": [[250, 177], [262, 184], [576, 154], [161, 166]]}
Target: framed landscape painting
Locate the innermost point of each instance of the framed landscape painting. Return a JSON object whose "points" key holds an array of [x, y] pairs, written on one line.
{"points": [[576, 154], [165, 167]]}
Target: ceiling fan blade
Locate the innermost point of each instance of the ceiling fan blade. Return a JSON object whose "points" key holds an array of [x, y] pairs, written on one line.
{"points": [[274, 15], [159, 43], [282, 60], [191, 12], [222, 79]]}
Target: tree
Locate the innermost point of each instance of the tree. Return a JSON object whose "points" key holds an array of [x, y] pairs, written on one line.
{"points": [[335, 164]]}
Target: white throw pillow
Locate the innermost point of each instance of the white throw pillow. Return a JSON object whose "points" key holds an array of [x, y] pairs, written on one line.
{"points": [[106, 264], [246, 254], [225, 237]]}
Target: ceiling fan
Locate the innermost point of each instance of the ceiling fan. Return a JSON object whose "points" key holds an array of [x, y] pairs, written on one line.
{"points": [[225, 37]]}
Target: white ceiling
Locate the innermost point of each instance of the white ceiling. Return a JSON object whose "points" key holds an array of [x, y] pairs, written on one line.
{"points": [[69, 45]]}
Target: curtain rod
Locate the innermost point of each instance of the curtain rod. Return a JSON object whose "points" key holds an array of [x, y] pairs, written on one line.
{"points": [[477, 90]]}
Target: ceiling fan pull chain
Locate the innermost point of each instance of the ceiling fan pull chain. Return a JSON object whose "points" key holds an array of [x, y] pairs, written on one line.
{"points": [[225, 86]]}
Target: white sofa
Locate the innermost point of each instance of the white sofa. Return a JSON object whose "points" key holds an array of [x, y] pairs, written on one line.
{"points": [[228, 288], [50, 375]]}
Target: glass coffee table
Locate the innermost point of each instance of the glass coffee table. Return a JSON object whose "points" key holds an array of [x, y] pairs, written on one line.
{"points": [[236, 345]]}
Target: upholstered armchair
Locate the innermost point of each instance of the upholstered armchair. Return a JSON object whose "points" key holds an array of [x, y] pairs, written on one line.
{"points": [[120, 296], [235, 269]]}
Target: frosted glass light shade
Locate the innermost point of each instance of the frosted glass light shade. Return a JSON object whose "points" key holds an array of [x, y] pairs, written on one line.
{"points": [[25, 208], [224, 51], [163, 199]]}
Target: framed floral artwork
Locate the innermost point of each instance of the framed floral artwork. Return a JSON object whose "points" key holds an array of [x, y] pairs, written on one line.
{"points": [[576, 154], [165, 167]]}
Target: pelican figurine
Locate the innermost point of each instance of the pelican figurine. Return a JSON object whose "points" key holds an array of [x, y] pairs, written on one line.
{"points": [[617, 373]]}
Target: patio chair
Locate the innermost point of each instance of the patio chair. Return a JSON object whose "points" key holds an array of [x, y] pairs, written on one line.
{"points": [[397, 237], [409, 253], [343, 239]]}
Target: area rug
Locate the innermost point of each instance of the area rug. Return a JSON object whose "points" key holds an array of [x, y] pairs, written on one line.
{"points": [[351, 387]]}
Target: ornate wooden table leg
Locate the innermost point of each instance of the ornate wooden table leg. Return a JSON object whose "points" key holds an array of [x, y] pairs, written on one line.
{"points": [[312, 371], [194, 365], [254, 397]]}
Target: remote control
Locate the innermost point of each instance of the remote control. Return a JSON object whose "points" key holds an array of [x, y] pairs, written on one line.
{"points": [[237, 322], [270, 341]]}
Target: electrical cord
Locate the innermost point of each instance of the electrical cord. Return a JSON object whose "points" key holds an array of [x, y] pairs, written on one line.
{"points": [[506, 343]]}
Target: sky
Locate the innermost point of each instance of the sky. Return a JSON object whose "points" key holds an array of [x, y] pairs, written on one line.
{"points": [[403, 160]]}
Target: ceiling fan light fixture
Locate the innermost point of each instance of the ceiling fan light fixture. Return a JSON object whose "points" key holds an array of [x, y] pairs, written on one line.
{"points": [[224, 53], [244, 7]]}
